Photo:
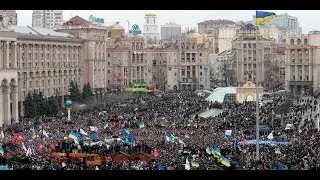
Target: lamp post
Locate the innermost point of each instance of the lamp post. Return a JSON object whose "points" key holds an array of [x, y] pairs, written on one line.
{"points": [[68, 105]]}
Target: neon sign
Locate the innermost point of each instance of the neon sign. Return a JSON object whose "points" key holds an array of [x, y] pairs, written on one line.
{"points": [[135, 30], [95, 20]]}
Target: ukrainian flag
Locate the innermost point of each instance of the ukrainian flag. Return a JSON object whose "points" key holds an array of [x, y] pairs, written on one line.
{"points": [[225, 162], [277, 150], [141, 124], [73, 135], [1, 150], [195, 164], [216, 152], [262, 16]]}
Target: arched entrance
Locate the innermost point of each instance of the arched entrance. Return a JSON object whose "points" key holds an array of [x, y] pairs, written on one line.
{"points": [[8, 101], [249, 98]]}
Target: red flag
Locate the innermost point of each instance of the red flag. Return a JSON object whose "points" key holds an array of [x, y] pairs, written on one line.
{"points": [[17, 138], [246, 143], [40, 147], [155, 154]]}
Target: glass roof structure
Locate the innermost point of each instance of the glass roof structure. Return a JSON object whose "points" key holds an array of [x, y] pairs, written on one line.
{"points": [[220, 93]]}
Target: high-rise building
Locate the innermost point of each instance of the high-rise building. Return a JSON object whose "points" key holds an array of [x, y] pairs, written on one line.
{"points": [[12, 15], [50, 19], [151, 30], [170, 31]]}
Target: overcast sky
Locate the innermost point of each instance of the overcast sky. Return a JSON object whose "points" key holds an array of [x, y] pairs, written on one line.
{"points": [[309, 20]]}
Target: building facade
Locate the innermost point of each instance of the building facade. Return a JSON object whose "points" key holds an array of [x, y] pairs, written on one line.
{"points": [[50, 19], [302, 64], [252, 54], [170, 31], [222, 32], [12, 15], [46, 63], [96, 39], [223, 68], [150, 27], [8, 78]]}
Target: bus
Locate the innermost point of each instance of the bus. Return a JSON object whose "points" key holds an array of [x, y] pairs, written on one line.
{"points": [[137, 87]]}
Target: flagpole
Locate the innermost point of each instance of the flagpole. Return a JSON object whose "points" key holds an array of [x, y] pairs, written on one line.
{"points": [[257, 98]]}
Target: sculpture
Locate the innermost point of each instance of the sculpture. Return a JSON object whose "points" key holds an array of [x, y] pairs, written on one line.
{"points": [[4, 22]]}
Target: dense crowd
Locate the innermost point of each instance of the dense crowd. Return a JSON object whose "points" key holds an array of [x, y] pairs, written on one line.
{"points": [[164, 117]]}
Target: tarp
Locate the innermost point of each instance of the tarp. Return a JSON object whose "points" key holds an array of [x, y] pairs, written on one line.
{"points": [[285, 143]]}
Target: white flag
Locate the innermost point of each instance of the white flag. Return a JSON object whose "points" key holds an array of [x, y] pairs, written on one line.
{"points": [[270, 136], [2, 134], [83, 132], [24, 147], [94, 129], [187, 165], [45, 133]]}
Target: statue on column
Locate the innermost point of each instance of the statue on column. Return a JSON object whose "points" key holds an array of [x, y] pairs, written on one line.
{"points": [[4, 21]]}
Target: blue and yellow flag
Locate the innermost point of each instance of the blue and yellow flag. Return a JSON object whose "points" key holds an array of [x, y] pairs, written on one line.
{"points": [[1, 150], [195, 164], [141, 124], [73, 135], [225, 162], [262, 16]]}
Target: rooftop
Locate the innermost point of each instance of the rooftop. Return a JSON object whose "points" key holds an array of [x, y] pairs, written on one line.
{"points": [[27, 30], [218, 21]]}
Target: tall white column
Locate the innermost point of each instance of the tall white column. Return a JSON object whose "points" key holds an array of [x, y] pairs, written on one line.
{"points": [[1, 55], [6, 57], [15, 100], [6, 105], [1, 107], [14, 55]]}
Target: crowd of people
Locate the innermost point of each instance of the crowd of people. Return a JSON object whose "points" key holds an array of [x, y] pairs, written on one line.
{"points": [[170, 125]]}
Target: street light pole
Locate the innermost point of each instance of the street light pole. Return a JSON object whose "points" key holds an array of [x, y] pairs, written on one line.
{"points": [[257, 99]]}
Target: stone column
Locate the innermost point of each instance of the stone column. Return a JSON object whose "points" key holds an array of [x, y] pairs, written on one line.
{"points": [[14, 55], [1, 107], [1, 56], [21, 108], [6, 57], [15, 108], [6, 105]]}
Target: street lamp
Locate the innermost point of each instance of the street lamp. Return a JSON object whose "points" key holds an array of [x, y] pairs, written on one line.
{"points": [[68, 105]]}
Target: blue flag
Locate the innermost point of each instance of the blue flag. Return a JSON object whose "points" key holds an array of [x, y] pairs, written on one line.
{"points": [[94, 137]]}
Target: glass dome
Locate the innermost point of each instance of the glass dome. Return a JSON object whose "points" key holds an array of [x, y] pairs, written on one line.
{"points": [[219, 94]]}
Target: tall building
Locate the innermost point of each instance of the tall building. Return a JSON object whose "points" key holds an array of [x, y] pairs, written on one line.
{"points": [[251, 53], [170, 31], [223, 68], [96, 60], [222, 32], [302, 64], [151, 29], [288, 26], [12, 15], [50, 19], [35, 60]]}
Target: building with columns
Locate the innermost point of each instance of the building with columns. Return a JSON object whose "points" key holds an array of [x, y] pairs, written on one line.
{"points": [[302, 64], [96, 38], [8, 78], [46, 61]]}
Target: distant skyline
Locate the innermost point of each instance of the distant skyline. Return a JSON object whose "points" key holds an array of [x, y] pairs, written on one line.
{"points": [[308, 19]]}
